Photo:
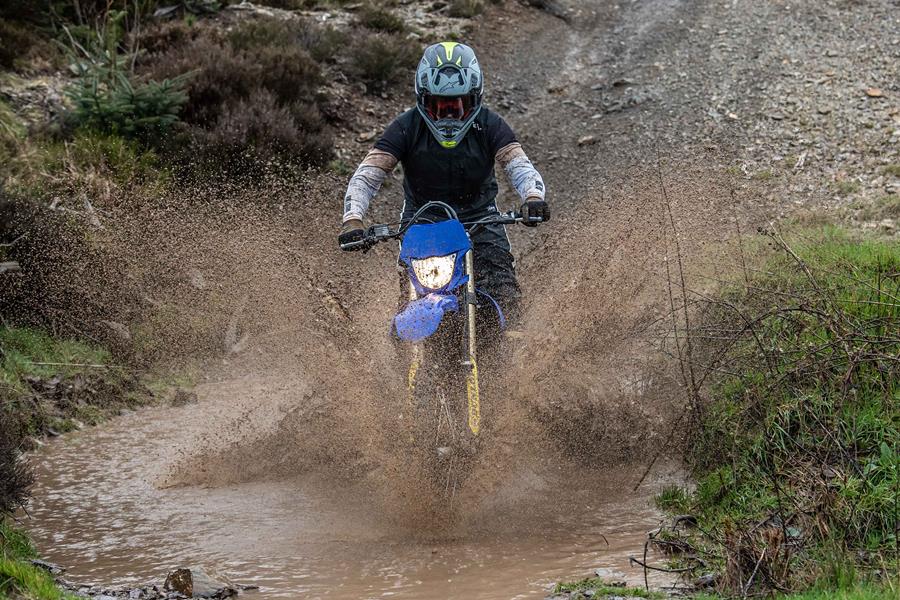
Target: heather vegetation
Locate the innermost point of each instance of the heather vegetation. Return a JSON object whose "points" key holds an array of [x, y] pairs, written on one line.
{"points": [[152, 97], [193, 92], [136, 99]]}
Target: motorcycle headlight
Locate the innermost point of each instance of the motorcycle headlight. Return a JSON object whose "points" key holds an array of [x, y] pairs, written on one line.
{"points": [[434, 272]]}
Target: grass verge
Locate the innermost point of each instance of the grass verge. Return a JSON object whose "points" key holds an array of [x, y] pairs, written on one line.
{"points": [[19, 578], [51, 385], [859, 592], [796, 445]]}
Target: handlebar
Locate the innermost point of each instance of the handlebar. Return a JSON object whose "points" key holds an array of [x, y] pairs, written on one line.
{"points": [[383, 232]]}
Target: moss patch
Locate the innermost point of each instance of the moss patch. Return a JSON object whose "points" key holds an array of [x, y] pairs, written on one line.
{"points": [[597, 587]]}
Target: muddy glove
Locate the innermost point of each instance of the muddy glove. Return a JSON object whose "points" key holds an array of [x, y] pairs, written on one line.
{"points": [[535, 207], [352, 231]]}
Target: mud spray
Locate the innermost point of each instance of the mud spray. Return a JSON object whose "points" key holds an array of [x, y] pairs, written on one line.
{"points": [[288, 472]]}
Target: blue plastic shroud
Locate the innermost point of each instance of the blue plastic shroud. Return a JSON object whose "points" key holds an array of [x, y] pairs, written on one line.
{"points": [[420, 318], [436, 239]]}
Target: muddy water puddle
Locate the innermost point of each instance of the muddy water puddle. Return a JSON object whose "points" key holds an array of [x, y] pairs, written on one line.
{"points": [[97, 511]]}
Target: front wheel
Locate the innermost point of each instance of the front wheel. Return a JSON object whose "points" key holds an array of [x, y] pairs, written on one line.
{"points": [[443, 438]]}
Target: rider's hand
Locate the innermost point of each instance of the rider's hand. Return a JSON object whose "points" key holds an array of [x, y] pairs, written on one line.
{"points": [[351, 231], [535, 207]]}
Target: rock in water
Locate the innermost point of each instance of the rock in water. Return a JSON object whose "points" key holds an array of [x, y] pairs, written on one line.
{"points": [[181, 581], [194, 582], [51, 568]]}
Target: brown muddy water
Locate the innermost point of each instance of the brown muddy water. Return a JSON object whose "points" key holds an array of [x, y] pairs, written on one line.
{"points": [[98, 512]]}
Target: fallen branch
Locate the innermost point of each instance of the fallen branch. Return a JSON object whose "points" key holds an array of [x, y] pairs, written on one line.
{"points": [[12, 243], [9, 266], [753, 575], [633, 560]]}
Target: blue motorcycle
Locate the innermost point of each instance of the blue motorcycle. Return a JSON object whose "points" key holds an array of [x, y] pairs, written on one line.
{"points": [[440, 315]]}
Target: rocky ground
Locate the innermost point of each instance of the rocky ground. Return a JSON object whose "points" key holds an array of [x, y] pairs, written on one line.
{"points": [[797, 98], [181, 583]]}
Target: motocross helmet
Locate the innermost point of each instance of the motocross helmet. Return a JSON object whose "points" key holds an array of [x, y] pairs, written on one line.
{"points": [[449, 88]]}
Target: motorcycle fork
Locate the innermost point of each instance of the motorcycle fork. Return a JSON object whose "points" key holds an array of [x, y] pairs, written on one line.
{"points": [[471, 353], [416, 356]]}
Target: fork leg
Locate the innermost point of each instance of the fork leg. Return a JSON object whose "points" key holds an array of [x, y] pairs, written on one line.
{"points": [[416, 361], [472, 391]]}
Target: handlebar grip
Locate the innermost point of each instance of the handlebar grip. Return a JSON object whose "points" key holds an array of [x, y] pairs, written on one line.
{"points": [[357, 245]]}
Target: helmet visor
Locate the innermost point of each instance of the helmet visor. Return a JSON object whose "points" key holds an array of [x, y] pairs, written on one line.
{"points": [[457, 108]]}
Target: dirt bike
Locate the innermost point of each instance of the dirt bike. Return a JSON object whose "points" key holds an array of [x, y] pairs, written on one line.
{"points": [[439, 320]]}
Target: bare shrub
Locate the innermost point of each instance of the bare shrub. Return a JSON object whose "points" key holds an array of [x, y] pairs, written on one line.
{"points": [[796, 428], [381, 59], [259, 130], [378, 18]]}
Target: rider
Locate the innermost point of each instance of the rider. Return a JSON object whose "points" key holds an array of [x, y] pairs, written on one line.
{"points": [[448, 145]]}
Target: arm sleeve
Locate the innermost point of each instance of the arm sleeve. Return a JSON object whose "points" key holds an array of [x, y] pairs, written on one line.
{"points": [[390, 149], [366, 182], [521, 173]]}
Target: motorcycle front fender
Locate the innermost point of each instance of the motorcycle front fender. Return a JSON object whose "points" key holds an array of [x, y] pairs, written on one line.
{"points": [[421, 318]]}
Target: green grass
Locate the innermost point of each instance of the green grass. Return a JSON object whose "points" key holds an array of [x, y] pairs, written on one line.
{"points": [[801, 434], [18, 577], [98, 388], [22, 350], [601, 588], [96, 163], [861, 592]]}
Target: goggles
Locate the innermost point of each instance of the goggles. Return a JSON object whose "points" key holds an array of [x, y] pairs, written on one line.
{"points": [[449, 107]]}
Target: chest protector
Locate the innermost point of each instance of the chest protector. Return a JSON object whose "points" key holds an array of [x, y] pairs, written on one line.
{"points": [[463, 176]]}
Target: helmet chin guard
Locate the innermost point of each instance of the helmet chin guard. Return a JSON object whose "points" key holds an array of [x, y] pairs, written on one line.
{"points": [[449, 132], [449, 89]]}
